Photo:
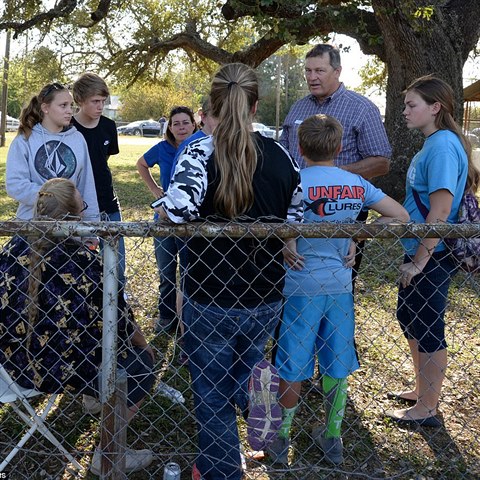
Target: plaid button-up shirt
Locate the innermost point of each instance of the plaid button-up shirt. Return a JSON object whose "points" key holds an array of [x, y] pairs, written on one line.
{"points": [[363, 131]]}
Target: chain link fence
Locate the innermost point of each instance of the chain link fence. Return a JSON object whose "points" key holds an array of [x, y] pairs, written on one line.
{"points": [[374, 447]]}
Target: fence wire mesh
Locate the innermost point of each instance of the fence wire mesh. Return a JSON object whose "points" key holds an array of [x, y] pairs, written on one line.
{"points": [[374, 447]]}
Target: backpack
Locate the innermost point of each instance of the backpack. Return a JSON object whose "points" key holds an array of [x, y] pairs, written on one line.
{"points": [[466, 251]]}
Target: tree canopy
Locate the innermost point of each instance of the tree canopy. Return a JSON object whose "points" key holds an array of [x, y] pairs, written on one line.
{"points": [[133, 40]]}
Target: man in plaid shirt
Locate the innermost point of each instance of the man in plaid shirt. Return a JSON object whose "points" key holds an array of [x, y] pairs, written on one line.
{"points": [[365, 147]]}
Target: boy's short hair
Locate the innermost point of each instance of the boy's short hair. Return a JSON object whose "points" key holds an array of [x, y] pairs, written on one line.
{"points": [[88, 85], [319, 137]]}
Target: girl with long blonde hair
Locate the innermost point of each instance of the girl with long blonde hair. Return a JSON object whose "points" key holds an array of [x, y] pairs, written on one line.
{"points": [[51, 316], [233, 287]]}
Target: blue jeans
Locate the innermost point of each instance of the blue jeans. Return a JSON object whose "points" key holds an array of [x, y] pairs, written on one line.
{"points": [[223, 346], [117, 217], [166, 250]]}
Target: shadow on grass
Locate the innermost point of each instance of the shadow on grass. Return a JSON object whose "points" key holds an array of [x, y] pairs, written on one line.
{"points": [[449, 466]]}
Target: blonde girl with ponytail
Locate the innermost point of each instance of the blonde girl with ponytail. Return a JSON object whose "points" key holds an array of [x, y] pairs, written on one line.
{"points": [[233, 287], [51, 315]]}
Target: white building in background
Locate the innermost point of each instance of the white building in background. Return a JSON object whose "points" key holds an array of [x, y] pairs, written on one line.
{"points": [[111, 107], [11, 124]]}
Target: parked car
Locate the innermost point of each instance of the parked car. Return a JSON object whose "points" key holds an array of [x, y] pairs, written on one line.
{"points": [[265, 131], [141, 128], [12, 124], [476, 131]]}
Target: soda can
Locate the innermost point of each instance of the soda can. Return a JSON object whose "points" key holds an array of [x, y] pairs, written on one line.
{"points": [[171, 471]]}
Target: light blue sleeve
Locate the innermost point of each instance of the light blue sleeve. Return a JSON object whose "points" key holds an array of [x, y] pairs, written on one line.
{"points": [[442, 166], [18, 180], [85, 181], [372, 193]]}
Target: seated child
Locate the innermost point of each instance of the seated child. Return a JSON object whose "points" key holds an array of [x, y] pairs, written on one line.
{"points": [[319, 315]]}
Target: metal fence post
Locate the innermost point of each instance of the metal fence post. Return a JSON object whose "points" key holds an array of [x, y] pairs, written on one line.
{"points": [[113, 430]]}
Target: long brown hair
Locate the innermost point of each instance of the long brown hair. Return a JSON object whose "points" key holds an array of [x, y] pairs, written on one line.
{"points": [[433, 90], [56, 201], [32, 113], [233, 96]]}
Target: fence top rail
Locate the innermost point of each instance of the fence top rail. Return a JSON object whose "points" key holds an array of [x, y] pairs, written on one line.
{"points": [[238, 230]]}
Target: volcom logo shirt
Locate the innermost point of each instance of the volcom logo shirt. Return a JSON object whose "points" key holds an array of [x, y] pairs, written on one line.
{"points": [[44, 155]]}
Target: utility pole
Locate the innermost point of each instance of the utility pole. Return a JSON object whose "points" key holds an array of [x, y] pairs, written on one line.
{"points": [[6, 61], [278, 92], [25, 72]]}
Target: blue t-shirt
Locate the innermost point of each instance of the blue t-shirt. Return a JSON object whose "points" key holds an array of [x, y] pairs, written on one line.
{"points": [[441, 164], [330, 194], [162, 154]]}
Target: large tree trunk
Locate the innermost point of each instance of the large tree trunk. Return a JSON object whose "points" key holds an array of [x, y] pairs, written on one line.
{"points": [[415, 47]]}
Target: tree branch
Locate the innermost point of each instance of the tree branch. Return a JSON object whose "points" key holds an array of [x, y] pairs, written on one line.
{"points": [[302, 22], [101, 12], [61, 10], [467, 13]]}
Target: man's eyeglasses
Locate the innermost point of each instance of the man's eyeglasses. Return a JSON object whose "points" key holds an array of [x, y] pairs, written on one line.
{"points": [[85, 206]]}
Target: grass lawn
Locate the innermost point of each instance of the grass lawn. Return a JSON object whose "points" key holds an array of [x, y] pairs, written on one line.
{"points": [[374, 447]]}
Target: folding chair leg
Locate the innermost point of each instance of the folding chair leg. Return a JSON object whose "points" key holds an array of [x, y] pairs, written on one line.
{"points": [[17, 448], [29, 433], [36, 423]]}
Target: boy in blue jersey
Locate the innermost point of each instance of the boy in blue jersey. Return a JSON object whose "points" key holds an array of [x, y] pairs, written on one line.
{"points": [[319, 315]]}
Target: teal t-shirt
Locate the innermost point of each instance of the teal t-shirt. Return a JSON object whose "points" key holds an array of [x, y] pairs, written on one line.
{"points": [[330, 194], [441, 164]]}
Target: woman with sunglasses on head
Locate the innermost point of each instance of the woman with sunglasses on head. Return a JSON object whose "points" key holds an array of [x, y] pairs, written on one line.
{"points": [[181, 124], [46, 147]]}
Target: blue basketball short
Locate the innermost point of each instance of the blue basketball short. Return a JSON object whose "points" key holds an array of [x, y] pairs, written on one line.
{"points": [[324, 325]]}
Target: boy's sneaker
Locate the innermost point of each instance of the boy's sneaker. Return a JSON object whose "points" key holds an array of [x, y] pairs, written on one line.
{"points": [[91, 404], [135, 460], [264, 413], [278, 450], [332, 447]]}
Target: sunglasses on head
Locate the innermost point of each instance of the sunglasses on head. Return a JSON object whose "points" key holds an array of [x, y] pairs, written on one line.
{"points": [[51, 88]]}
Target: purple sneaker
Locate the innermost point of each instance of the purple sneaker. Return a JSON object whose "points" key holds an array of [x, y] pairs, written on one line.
{"points": [[264, 413]]}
